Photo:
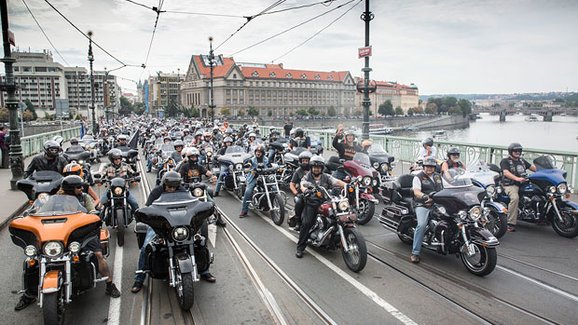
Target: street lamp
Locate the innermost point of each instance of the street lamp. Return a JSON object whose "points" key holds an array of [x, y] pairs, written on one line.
{"points": [[366, 16], [91, 60], [211, 64]]}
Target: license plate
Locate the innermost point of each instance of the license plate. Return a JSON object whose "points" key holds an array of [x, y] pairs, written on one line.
{"points": [[242, 178]]}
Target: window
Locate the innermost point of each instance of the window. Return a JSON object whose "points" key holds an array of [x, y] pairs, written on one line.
{"points": [[272, 75], [255, 74]]}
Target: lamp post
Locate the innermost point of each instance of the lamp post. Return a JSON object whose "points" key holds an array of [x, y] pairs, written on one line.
{"points": [[105, 97], [211, 94], [91, 60], [16, 161], [367, 16]]}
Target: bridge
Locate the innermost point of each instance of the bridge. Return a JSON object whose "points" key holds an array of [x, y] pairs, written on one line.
{"points": [[547, 113]]}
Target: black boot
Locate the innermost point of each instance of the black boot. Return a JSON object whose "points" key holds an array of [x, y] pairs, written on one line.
{"points": [[24, 302]]}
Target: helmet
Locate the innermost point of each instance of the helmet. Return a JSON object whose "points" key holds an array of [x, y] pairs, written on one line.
{"points": [[260, 148], [229, 131], [299, 132], [207, 134], [114, 154], [73, 168], [179, 143], [122, 137], [185, 130], [427, 142], [430, 162], [317, 161], [199, 133], [70, 182], [514, 147], [252, 134], [51, 148], [74, 141], [167, 138], [228, 139], [305, 154], [215, 130], [171, 178], [453, 151], [292, 132]]}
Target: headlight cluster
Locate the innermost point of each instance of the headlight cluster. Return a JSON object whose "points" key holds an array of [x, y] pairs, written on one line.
{"points": [[552, 189], [239, 166], [118, 190], [198, 192], [384, 167], [180, 233], [74, 247], [271, 178], [562, 188], [343, 205], [30, 251], [53, 249], [376, 165], [367, 181], [491, 190], [475, 213], [209, 153]]}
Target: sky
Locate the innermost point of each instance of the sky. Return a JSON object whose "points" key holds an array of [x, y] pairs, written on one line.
{"points": [[444, 47]]}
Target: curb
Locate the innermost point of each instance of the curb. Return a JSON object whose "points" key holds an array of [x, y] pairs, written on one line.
{"points": [[14, 214]]}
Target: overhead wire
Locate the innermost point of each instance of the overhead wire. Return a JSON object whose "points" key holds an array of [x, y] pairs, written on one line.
{"points": [[158, 12], [139, 4], [292, 28], [202, 14], [318, 32], [325, 3], [43, 32]]}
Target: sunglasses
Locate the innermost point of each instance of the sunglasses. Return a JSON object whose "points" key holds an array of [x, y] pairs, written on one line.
{"points": [[517, 151], [172, 187], [79, 187], [117, 159]]}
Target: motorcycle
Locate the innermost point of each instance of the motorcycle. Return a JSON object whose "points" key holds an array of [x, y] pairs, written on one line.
{"points": [[544, 198], [234, 159], [360, 196], [290, 163], [130, 157], [335, 227], [381, 162], [167, 166], [39, 182], [117, 213], [58, 266], [453, 226], [178, 253], [267, 197]]}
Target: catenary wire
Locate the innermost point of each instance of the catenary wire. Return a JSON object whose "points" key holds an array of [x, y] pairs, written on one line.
{"points": [[202, 14], [43, 32], [291, 28], [158, 11], [138, 4], [325, 3], [318, 32]]}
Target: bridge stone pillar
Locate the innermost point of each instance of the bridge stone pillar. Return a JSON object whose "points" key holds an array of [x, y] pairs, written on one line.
{"points": [[548, 116], [503, 116]]}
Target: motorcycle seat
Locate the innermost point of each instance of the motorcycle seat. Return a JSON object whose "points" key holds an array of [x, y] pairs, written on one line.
{"points": [[333, 163], [405, 186]]}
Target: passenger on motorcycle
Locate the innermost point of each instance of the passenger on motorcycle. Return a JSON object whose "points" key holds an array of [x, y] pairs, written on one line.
{"points": [[425, 183], [427, 149], [514, 171], [49, 160], [257, 162], [227, 142], [299, 140], [74, 146], [117, 168], [345, 147], [177, 155], [295, 187], [74, 168], [314, 176], [170, 183], [453, 161]]}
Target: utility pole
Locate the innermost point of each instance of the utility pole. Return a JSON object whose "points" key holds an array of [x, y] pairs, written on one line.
{"points": [[211, 94], [91, 60], [367, 16], [16, 160]]}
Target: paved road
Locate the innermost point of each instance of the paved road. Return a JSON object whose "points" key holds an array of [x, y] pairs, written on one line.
{"points": [[259, 281]]}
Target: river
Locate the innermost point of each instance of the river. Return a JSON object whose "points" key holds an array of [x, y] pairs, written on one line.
{"points": [[560, 134]]}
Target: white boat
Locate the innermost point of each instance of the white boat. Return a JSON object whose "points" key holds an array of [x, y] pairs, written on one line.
{"points": [[532, 118]]}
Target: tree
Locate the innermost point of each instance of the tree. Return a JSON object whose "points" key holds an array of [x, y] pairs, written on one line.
{"points": [[4, 114], [431, 108], [27, 115], [386, 108], [125, 106], [331, 111], [195, 112], [252, 111], [301, 112], [399, 111], [269, 113], [312, 111], [225, 111], [410, 111], [465, 106], [241, 112]]}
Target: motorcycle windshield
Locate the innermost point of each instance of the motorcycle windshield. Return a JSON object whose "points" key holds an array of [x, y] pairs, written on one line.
{"points": [[60, 205], [456, 177], [376, 150], [88, 138], [545, 162], [234, 150], [458, 198], [362, 159]]}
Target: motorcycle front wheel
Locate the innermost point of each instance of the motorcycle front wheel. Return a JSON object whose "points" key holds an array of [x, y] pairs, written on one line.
{"points": [[497, 223], [482, 262], [356, 257], [185, 291], [120, 225], [53, 309], [568, 227], [240, 191], [366, 211], [278, 211]]}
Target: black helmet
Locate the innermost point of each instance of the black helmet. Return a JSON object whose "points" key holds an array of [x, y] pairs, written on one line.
{"points": [[514, 147], [114, 154], [178, 143], [430, 162], [260, 148], [228, 139], [299, 132], [172, 179], [453, 151], [51, 148], [70, 182], [427, 142], [74, 141], [305, 155]]}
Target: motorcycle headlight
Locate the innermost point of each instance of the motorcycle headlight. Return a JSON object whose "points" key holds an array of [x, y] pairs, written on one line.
{"points": [[30, 251], [441, 210], [367, 181], [475, 213], [562, 188], [343, 205], [376, 165], [491, 190], [384, 167], [374, 182], [209, 153], [74, 247], [552, 189], [118, 191], [499, 189], [271, 178], [239, 166], [53, 249], [180, 233], [80, 162], [198, 192], [463, 215]]}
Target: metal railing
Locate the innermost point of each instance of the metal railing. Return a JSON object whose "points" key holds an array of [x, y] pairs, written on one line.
{"points": [[406, 150], [33, 144]]}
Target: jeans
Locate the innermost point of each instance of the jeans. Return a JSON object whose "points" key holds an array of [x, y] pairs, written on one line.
{"points": [[149, 163], [131, 200], [422, 215], [271, 155], [221, 178], [248, 195]]}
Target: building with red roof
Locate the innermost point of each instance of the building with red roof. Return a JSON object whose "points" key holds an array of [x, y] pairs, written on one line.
{"points": [[403, 96]]}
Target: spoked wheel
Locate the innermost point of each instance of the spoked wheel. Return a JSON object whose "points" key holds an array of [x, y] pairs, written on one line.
{"points": [[185, 290], [53, 309], [278, 211], [120, 225], [497, 223], [482, 262], [356, 257], [568, 227], [240, 191], [366, 211]]}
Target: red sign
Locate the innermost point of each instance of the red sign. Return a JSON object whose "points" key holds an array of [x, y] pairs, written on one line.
{"points": [[364, 51]]}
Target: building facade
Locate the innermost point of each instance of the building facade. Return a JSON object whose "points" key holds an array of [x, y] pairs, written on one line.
{"points": [[163, 90], [270, 89], [400, 95]]}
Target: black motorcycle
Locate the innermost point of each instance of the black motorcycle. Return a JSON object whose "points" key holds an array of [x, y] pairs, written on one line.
{"points": [[178, 253], [453, 226], [267, 196], [39, 182]]}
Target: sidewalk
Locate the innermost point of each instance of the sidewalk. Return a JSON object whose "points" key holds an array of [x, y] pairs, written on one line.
{"points": [[10, 201]]}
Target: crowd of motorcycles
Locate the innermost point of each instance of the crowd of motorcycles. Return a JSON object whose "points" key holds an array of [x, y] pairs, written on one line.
{"points": [[469, 214]]}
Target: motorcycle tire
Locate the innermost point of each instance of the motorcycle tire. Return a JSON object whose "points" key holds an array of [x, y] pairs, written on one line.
{"points": [[240, 191], [568, 228], [120, 225], [356, 257], [486, 260], [186, 291], [497, 223], [368, 210], [52, 309], [278, 215]]}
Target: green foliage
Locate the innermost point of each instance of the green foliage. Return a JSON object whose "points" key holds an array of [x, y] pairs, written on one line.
{"points": [[399, 111], [465, 106], [172, 108], [195, 112], [431, 108], [4, 114], [225, 111], [410, 111], [31, 108], [302, 112], [241, 112], [386, 108], [252, 111], [331, 111], [312, 111], [269, 113]]}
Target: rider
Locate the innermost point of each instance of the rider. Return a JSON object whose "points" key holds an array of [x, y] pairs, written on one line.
{"points": [[298, 175], [425, 183], [74, 168], [257, 162], [227, 142], [177, 155], [191, 168], [453, 161], [300, 140], [170, 183], [49, 160], [74, 146], [514, 171], [346, 148], [117, 168], [121, 141], [315, 176], [252, 143], [427, 149]]}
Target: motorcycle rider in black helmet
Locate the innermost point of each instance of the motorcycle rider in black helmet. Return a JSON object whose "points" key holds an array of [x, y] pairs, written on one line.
{"points": [[117, 168], [427, 149], [177, 155], [299, 173], [48, 160], [514, 173], [299, 140], [425, 183], [453, 161], [74, 146]]}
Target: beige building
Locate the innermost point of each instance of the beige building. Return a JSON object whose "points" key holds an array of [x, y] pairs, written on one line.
{"points": [[163, 90], [400, 95], [269, 88]]}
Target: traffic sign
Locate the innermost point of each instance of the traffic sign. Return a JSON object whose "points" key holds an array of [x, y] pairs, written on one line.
{"points": [[364, 51]]}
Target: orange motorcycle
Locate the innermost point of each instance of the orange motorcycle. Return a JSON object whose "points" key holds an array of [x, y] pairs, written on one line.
{"points": [[55, 235]]}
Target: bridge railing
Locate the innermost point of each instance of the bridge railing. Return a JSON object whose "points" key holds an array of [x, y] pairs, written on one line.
{"points": [[33, 144], [406, 149]]}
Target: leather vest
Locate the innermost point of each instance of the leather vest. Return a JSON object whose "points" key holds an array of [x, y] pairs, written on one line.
{"points": [[430, 184], [452, 164]]}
